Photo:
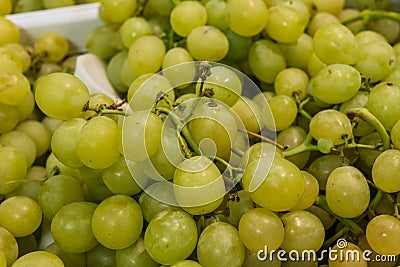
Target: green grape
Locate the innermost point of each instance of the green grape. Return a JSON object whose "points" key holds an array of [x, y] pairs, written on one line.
{"points": [[207, 43], [198, 185], [11, 63], [246, 17], [382, 103], [152, 202], [9, 32], [292, 137], [291, 82], [133, 28], [31, 187], [94, 187], [388, 28], [21, 54], [21, 6], [101, 42], [65, 102], [358, 101], [276, 189], [368, 156], [51, 46], [346, 255], [238, 203], [39, 259], [266, 60], [225, 84], [216, 10], [71, 227], [249, 114], [321, 19], [375, 60], [238, 45], [5, 7], [3, 259], [51, 123], [141, 135], [101, 256], [327, 219], [385, 169], [56, 192], [314, 65], [260, 150], [145, 90], [69, 259], [24, 110], [335, 43], [162, 7], [186, 16], [323, 166], [395, 135], [215, 122], [171, 236], [146, 54], [97, 102], [119, 180], [22, 142], [113, 70], [178, 67], [259, 228], [117, 222], [310, 194], [283, 113], [285, 24], [117, 11], [342, 185], [219, 245], [53, 165], [325, 145], [331, 124], [14, 88], [368, 36], [298, 53], [96, 146], [383, 234], [56, 4], [303, 231], [8, 245], [343, 80], [186, 263], [135, 255], [375, 259], [331, 6], [39, 134]]}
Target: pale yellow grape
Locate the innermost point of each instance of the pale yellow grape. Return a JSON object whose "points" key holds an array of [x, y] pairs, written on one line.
{"points": [[26, 108], [14, 88], [146, 54], [39, 259], [22, 142], [383, 234], [9, 32], [314, 65], [368, 36], [385, 171], [132, 29], [292, 82], [320, 19], [310, 194], [249, 113], [10, 61], [21, 52], [12, 170], [352, 251], [207, 43], [246, 17], [117, 11], [283, 110], [178, 67], [39, 134], [5, 7], [186, 16], [332, 6], [97, 146], [51, 46], [8, 245]]}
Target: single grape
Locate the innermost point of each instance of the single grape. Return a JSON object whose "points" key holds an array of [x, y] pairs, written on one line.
{"points": [[298, 53], [24, 109], [186, 16], [292, 137], [178, 67], [117, 222], [321, 167], [238, 45], [6, 7], [22, 142], [314, 65], [320, 19], [216, 10], [39, 134], [10, 32], [39, 259], [8, 245], [385, 169], [238, 203], [117, 11], [14, 88], [368, 36], [331, 6], [11, 62], [69, 259], [51, 46], [113, 71], [162, 7], [9, 118], [383, 234], [310, 194], [283, 113], [101, 42], [135, 255], [249, 114], [291, 82], [133, 28]]}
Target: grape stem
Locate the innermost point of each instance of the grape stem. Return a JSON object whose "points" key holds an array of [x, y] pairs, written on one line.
{"points": [[112, 111], [335, 237], [305, 146], [282, 147], [374, 202], [350, 224], [368, 15], [301, 109], [368, 117]]}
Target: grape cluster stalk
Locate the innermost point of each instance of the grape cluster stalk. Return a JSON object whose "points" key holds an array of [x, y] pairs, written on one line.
{"points": [[242, 133]]}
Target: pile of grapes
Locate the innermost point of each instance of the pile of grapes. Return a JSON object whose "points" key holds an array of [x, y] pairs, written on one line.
{"points": [[20, 6], [242, 133]]}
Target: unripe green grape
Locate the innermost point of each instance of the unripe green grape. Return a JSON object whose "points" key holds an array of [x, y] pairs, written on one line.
{"points": [[320, 19], [283, 113], [325, 145], [51, 46], [22, 142], [135, 255], [375, 60], [335, 43], [323, 166], [96, 146], [101, 42], [292, 137], [238, 46], [385, 169], [100, 256], [219, 245], [65, 102], [310, 194], [383, 103], [186, 16], [216, 10], [283, 182], [113, 71], [117, 11], [342, 185], [133, 28], [146, 54], [71, 227], [298, 53], [207, 43], [246, 17], [178, 67], [10, 33], [303, 231], [69, 259], [383, 234], [166, 246], [266, 60]]}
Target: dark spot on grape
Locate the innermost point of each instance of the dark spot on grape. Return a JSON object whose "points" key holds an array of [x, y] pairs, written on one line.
{"points": [[391, 61]]}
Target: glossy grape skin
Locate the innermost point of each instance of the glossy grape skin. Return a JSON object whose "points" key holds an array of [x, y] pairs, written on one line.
{"points": [[283, 182], [117, 222], [64, 103], [39, 134], [342, 185], [170, 236], [22, 142], [178, 67], [238, 205], [283, 110], [10, 32], [259, 227], [52, 46], [8, 245], [14, 88], [389, 262], [323, 166], [12, 169], [20, 215], [186, 16], [9, 118], [383, 234], [337, 261], [39, 259], [133, 28], [385, 171], [117, 11], [310, 194]]}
